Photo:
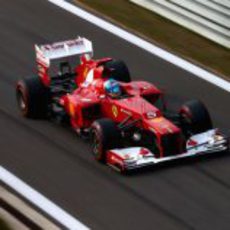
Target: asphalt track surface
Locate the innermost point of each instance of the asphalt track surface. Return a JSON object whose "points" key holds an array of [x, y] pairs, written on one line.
{"points": [[53, 160]]}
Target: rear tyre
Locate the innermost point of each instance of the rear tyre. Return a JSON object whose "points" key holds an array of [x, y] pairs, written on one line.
{"points": [[105, 135], [120, 71], [33, 98], [195, 117]]}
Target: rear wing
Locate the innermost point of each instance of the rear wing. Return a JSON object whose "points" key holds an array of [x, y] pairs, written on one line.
{"points": [[59, 50], [48, 52]]}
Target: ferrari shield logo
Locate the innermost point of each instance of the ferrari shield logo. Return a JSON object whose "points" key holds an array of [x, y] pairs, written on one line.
{"points": [[114, 111]]}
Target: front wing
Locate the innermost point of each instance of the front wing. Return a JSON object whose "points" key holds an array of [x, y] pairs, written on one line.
{"points": [[136, 157]]}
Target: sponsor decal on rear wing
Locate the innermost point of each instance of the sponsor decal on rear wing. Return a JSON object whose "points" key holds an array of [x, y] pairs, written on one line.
{"points": [[48, 52]]}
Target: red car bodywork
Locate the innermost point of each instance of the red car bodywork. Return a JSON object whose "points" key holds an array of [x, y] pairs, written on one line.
{"points": [[90, 102], [130, 131]]}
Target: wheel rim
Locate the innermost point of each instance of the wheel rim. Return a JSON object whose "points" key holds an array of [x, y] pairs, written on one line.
{"points": [[21, 102]]}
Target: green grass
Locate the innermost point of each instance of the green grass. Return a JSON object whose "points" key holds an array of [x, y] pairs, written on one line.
{"points": [[3, 225], [164, 33]]}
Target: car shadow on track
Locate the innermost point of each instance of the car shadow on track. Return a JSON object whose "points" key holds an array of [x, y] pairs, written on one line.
{"points": [[190, 161]]}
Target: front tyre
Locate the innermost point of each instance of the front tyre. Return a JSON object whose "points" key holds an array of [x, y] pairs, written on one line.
{"points": [[32, 98], [106, 136], [195, 117]]}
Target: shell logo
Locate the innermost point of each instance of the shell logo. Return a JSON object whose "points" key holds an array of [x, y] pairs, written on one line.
{"points": [[114, 111], [85, 72], [158, 119]]}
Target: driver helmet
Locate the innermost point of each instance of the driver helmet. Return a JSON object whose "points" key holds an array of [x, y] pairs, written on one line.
{"points": [[112, 88]]}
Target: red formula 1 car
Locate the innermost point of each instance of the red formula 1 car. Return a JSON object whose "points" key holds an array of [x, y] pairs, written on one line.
{"points": [[127, 120]]}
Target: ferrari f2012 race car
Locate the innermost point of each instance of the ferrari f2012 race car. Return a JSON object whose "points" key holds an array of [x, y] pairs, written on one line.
{"points": [[127, 120]]}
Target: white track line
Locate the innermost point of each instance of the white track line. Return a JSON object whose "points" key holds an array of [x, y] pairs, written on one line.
{"points": [[40, 201], [149, 47]]}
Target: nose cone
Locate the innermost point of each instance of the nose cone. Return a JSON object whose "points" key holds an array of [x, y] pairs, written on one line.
{"points": [[162, 126]]}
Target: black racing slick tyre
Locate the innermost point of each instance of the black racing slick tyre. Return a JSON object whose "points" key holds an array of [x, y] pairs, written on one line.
{"points": [[32, 97], [120, 71], [105, 135], [195, 117]]}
